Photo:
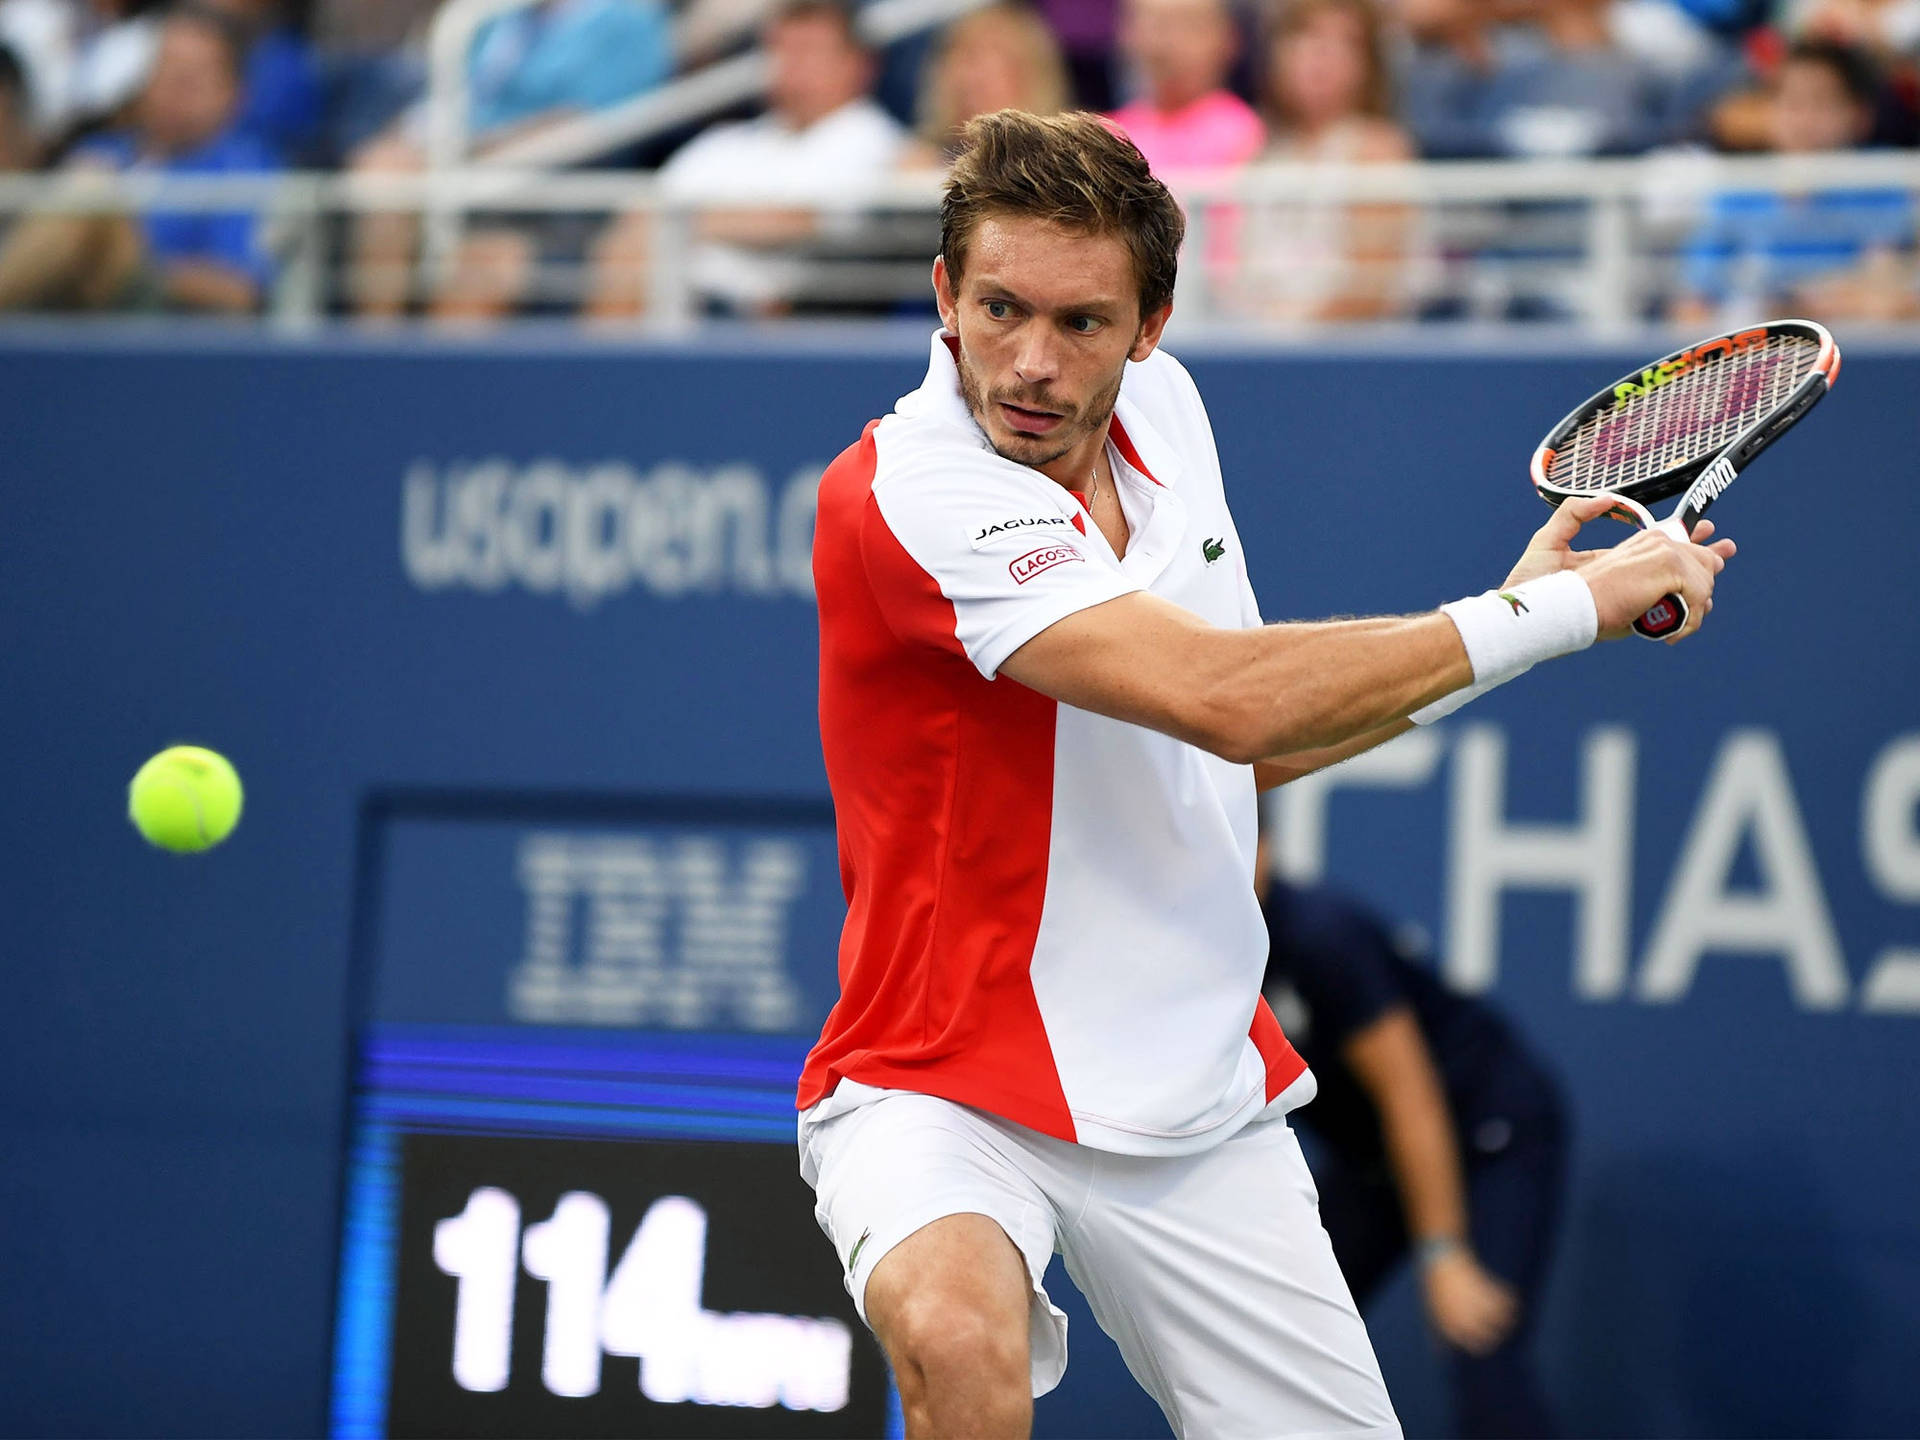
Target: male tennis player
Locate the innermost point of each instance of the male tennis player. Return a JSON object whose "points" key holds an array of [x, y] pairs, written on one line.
{"points": [[1046, 701]]}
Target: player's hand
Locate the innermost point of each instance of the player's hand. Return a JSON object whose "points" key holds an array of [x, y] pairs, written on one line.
{"points": [[1469, 1308], [1633, 575]]}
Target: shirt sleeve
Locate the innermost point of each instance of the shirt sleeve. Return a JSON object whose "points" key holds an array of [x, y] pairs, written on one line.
{"points": [[976, 558]]}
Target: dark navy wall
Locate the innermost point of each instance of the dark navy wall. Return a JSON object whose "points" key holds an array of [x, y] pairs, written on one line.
{"points": [[353, 565]]}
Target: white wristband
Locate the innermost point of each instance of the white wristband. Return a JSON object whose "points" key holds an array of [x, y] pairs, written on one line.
{"points": [[1507, 632]]}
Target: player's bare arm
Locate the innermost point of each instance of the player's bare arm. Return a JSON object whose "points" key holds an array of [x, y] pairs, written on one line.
{"points": [[1281, 690]]}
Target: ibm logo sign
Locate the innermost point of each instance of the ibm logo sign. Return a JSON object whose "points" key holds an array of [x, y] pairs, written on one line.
{"points": [[688, 932]]}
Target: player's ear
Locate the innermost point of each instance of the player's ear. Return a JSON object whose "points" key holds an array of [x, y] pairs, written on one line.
{"points": [[1151, 329], [943, 297]]}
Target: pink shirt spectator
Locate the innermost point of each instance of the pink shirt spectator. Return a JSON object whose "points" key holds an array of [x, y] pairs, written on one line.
{"points": [[1216, 130]]}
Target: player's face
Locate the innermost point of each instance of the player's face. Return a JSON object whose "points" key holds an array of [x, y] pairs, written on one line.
{"points": [[1047, 321]]}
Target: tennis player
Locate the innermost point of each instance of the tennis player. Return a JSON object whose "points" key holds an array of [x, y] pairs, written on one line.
{"points": [[1047, 699]]}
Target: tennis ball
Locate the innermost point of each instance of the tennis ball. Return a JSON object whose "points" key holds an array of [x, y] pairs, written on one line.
{"points": [[185, 799]]}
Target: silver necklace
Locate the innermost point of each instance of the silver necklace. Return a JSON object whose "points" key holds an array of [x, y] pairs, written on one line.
{"points": [[1093, 492]]}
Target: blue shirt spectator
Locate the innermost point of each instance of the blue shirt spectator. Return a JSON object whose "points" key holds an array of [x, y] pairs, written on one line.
{"points": [[1835, 254], [231, 239], [283, 107], [567, 55]]}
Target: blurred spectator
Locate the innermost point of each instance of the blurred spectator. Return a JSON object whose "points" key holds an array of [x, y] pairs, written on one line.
{"points": [[1560, 84], [1829, 254], [367, 27], [282, 108], [766, 188], [1087, 32], [1443, 1141], [1001, 57], [1328, 99], [183, 125], [1187, 119], [85, 59], [19, 145], [530, 69]]}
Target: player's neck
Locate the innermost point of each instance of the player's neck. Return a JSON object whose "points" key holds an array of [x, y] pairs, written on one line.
{"points": [[1072, 469]]}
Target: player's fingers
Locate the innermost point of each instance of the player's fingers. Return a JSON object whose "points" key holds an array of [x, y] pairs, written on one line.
{"points": [[1725, 549], [1569, 516]]}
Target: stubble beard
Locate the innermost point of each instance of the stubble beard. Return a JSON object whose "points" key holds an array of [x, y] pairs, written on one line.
{"points": [[1035, 450]]}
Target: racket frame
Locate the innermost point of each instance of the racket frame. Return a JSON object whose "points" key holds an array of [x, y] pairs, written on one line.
{"points": [[1703, 478]]}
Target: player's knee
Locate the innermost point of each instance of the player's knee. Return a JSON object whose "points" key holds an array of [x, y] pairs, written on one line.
{"points": [[948, 1340]]}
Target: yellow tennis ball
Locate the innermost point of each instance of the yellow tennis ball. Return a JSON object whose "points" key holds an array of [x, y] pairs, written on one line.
{"points": [[185, 799]]}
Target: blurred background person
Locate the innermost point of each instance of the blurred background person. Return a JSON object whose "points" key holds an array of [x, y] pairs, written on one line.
{"points": [[1442, 1138], [1328, 98], [769, 188], [86, 60], [1832, 254], [283, 104], [1535, 79], [184, 124], [1002, 57], [1185, 118], [19, 145], [1088, 34], [530, 69]]}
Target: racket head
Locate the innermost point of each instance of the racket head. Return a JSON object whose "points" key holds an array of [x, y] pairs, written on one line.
{"points": [[1652, 434]]}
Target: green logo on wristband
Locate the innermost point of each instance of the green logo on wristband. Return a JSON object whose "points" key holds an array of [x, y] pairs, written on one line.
{"points": [[1515, 601]]}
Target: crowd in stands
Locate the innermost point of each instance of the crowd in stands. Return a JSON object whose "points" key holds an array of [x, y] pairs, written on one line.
{"points": [[252, 86]]}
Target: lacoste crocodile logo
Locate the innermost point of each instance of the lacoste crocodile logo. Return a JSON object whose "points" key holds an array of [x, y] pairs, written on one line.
{"points": [[1212, 550], [1519, 605], [858, 1246]]}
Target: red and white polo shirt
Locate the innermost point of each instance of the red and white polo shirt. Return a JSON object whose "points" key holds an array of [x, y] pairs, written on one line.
{"points": [[1051, 913]]}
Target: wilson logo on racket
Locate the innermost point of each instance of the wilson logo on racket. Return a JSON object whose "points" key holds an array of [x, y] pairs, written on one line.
{"points": [[1034, 562]]}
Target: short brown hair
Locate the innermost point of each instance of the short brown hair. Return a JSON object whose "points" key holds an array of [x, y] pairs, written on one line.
{"points": [[1070, 170]]}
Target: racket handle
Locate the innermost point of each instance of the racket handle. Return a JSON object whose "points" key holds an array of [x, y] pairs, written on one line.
{"points": [[1669, 613], [1666, 615]]}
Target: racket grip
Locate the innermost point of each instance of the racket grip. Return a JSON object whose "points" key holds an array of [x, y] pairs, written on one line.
{"points": [[1669, 613], [1666, 615]]}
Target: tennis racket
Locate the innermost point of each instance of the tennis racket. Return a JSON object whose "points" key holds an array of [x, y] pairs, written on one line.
{"points": [[1690, 421]]}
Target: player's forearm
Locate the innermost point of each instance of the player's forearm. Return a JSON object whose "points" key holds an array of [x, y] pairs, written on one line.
{"points": [[1279, 769], [1322, 690]]}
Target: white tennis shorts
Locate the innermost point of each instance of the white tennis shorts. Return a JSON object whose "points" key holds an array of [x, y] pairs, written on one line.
{"points": [[1211, 1271]]}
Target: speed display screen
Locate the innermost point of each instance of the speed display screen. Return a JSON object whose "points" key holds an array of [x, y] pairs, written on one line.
{"points": [[553, 1227]]}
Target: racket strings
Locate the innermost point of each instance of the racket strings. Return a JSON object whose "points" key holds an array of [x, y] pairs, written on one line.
{"points": [[1696, 414]]}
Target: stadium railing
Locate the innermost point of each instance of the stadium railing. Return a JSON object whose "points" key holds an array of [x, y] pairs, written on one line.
{"points": [[1596, 245]]}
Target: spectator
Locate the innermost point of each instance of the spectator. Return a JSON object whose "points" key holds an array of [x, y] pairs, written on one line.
{"points": [[1187, 119], [1086, 30], [1443, 1141], [1829, 254], [19, 145], [183, 125], [85, 59], [529, 69], [1559, 85], [282, 109], [1002, 57], [770, 187], [1328, 101]]}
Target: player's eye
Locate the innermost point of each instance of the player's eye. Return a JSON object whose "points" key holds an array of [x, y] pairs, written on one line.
{"points": [[999, 310], [1084, 324]]}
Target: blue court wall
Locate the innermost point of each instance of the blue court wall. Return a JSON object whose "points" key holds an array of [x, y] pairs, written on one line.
{"points": [[1693, 875]]}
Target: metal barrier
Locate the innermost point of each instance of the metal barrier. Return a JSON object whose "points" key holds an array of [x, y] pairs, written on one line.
{"points": [[1591, 244]]}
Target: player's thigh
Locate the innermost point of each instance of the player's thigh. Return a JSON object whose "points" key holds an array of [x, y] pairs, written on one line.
{"points": [[933, 1186], [1213, 1275]]}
